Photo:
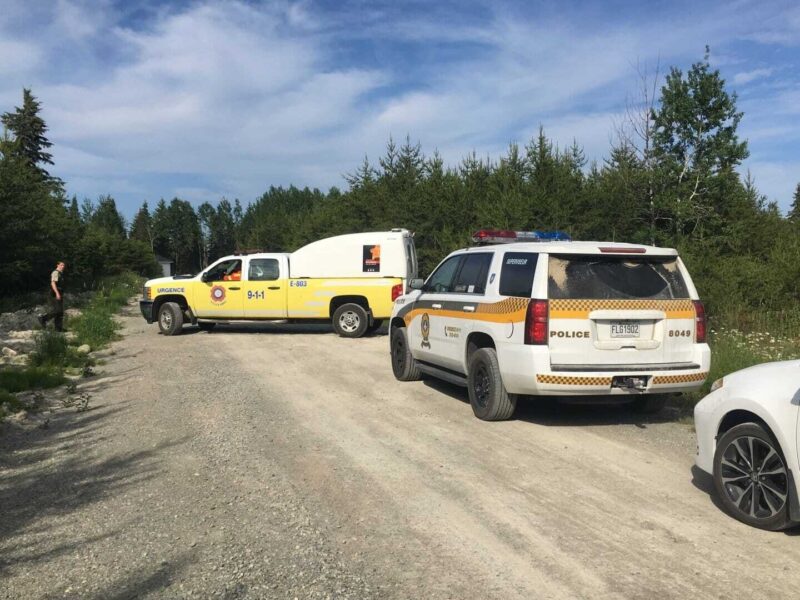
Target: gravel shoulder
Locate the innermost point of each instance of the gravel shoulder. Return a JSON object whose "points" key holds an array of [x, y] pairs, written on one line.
{"points": [[282, 461]]}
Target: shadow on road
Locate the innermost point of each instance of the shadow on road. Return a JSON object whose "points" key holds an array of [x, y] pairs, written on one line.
{"points": [[53, 472], [273, 328], [564, 412]]}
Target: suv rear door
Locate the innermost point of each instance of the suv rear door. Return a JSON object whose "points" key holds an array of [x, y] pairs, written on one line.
{"points": [[612, 311]]}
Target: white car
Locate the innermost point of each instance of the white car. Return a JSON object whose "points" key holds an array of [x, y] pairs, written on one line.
{"points": [[747, 438]]}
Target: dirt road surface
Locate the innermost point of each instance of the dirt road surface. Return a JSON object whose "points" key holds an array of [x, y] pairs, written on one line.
{"points": [[284, 462]]}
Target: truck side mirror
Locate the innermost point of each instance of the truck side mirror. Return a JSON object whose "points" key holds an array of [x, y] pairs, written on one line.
{"points": [[204, 277], [416, 284]]}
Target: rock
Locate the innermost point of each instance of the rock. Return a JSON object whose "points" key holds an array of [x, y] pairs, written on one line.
{"points": [[71, 336], [25, 334], [84, 349], [9, 351], [73, 312], [20, 360]]}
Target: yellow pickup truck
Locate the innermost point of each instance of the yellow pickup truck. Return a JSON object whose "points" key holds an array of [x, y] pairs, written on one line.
{"points": [[351, 280]]}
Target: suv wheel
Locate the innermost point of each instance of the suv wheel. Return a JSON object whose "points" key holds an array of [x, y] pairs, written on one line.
{"points": [[487, 395], [350, 320], [404, 366], [751, 477], [170, 318]]}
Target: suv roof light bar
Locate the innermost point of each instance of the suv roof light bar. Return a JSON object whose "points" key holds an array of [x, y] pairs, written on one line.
{"points": [[504, 236]]}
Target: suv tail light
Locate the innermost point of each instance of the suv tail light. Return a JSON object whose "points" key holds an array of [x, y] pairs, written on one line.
{"points": [[536, 323], [397, 291], [699, 322]]}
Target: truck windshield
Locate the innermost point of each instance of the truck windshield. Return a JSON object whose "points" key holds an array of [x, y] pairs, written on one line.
{"points": [[611, 277]]}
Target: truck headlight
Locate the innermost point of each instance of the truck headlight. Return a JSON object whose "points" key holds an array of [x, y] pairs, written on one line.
{"points": [[717, 384]]}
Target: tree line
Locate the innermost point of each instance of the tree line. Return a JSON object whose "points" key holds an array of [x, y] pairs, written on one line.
{"points": [[670, 178]]}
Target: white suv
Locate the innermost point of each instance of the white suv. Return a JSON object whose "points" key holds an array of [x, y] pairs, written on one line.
{"points": [[529, 313]]}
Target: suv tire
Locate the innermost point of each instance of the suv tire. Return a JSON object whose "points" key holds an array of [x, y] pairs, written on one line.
{"points": [[350, 320], [404, 366], [746, 494], [170, 318], [488, 396]]}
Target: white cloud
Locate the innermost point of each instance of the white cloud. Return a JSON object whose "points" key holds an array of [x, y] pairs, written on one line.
{"points": [[746, 77]]}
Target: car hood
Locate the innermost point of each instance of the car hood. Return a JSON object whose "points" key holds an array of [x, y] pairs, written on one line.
{"points": [[771, 371]]}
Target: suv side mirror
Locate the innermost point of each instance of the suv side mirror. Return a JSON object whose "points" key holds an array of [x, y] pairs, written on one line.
{"points": [[416, 284]]}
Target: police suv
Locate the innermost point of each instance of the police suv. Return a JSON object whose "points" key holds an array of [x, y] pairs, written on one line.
{"points": [[533, 313]]}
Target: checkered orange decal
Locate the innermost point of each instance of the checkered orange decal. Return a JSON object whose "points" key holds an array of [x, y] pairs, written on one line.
{"points": [[504, 307], [689, 378], [568, 380], [580, 309]]}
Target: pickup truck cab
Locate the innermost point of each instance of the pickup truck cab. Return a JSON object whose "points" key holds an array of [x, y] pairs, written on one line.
{"points": [[351, 280]]}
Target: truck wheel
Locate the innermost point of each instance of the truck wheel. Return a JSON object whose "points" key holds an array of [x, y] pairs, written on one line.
{"points": [[404, 366], [487, 395], [170, 318], [204, 326], [350, 320]]}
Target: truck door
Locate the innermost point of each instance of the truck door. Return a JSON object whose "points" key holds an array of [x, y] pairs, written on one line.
{"points": [[264, 289], [219, 295]]}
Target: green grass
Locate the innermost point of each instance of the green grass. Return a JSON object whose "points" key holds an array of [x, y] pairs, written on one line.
{"points": [[96, 325], [30, 378], [53, 354]]}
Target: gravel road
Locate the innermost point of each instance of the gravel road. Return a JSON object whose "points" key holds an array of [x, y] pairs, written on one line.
{"points": [[281, 461]]}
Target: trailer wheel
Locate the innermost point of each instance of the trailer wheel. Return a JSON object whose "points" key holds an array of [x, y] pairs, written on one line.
{"points": [[170, 318], [350, 320]]}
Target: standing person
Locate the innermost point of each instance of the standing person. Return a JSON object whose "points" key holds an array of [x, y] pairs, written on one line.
{"points": [[56, 311]]}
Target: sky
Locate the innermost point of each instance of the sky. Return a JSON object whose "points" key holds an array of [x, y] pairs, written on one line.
{"points": [[147, 99]]}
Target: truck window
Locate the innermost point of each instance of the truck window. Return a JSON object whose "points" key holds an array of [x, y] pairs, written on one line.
{"points": [[441, 281], [471, 278], [263, 269], [516, 274], [612, 277], [228, 270]]}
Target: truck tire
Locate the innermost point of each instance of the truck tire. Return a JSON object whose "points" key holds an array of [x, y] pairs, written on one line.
{"points": [[170, 318], [404, 366], [488, 396], [350, 320]]}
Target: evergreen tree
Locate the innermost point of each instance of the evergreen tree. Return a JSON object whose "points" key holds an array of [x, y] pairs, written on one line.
{"points": [[106, 217], [28, 130], [142, 226], [794, 209]]}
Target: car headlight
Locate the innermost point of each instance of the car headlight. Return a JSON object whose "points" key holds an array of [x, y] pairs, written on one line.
{"points": [[717, 384]]}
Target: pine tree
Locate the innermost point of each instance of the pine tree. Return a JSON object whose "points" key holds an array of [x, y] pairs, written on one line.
{"points": [[28, 130], [142, 226], [794, 209]]}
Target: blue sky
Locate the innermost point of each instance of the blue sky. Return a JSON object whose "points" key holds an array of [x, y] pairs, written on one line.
{"points": [[207, 99]]}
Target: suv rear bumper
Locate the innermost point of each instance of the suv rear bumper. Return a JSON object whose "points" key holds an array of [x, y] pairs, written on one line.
{"points": [[527, 370], [146, 306]]}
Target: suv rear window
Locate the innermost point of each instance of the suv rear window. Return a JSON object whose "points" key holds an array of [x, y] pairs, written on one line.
{"points": [[606, 277], [516, 274]]}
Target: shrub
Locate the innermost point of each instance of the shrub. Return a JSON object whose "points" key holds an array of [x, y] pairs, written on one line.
{"points": [[18, 380]]}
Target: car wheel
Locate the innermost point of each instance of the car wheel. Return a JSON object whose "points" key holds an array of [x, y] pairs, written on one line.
{"points": [[170, 318], [751, 477], [205, 326], [404, 366], [487, 394], [350, 320]]}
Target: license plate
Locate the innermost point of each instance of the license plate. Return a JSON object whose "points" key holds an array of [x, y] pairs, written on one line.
{"points": [[624, 329]]}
